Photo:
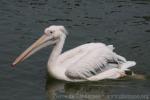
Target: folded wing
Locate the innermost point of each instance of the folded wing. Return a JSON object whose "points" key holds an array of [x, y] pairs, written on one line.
{"points": [[93, 63]]}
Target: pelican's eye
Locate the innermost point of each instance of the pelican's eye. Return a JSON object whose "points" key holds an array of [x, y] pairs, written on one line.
{"points": [[51, 32]]}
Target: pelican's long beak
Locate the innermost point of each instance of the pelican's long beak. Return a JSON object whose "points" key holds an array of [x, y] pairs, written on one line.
{"points": [[43, 41]]}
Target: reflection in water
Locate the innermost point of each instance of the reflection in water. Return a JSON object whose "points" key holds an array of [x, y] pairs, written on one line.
{"points": [[102, 90], [76, 91]]}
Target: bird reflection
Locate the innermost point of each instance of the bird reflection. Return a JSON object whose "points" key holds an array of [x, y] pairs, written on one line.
{"points": [[101, 90], [57, 90]]}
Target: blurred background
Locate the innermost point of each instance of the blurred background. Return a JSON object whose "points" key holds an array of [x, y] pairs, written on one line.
{"points": [[123, 23]]}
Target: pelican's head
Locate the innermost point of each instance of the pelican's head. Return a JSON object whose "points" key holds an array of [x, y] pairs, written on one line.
{"points": [[55, 31], [51, 36]]}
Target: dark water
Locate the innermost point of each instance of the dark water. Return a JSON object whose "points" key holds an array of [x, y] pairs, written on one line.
{"points": [[123, 23]]}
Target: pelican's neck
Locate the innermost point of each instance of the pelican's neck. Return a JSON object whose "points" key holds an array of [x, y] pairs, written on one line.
{"points": [[56, 50]]}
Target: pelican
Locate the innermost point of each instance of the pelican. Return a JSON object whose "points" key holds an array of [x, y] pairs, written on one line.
{"points": [[88, 62]]}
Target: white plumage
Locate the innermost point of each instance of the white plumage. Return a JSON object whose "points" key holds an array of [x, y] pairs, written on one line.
{"points": [[88, 62]]}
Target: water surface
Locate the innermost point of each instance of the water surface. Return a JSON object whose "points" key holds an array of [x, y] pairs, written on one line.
{"points": [[123, 23]]}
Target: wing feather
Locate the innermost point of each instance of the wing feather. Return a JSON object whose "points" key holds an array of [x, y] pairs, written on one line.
{"points": [[93, 63]]}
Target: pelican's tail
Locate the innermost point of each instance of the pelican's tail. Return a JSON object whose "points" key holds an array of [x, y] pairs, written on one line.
{"points": [[127, 65]]}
